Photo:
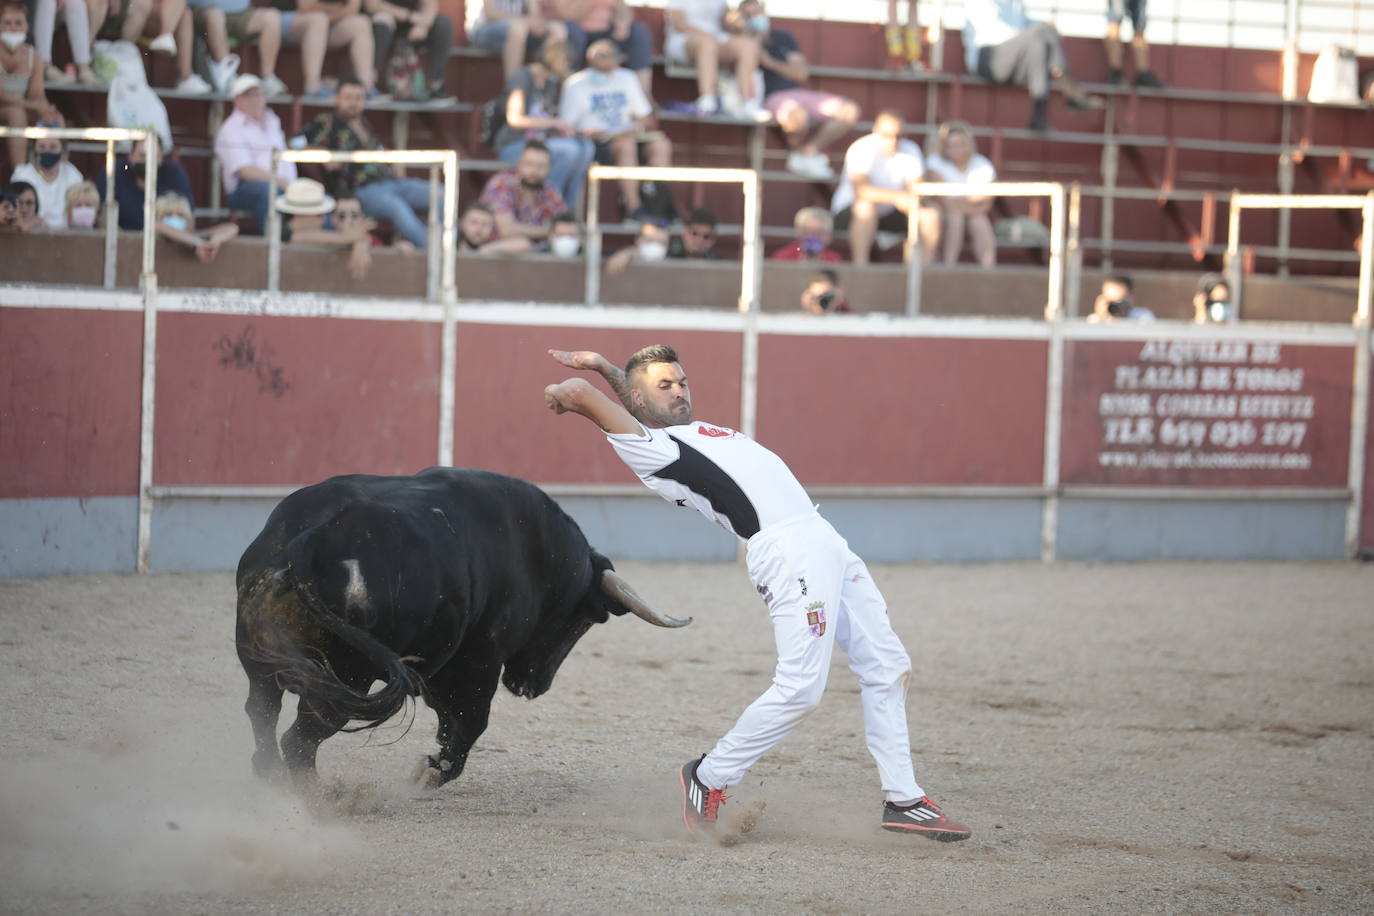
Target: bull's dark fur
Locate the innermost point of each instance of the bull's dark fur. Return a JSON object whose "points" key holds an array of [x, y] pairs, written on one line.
{"points": [[469, 577]]}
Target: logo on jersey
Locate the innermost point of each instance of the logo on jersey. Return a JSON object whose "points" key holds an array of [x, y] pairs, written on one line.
{"points": [[815, 618], [765, 593], [715, 432], [801, 580]]}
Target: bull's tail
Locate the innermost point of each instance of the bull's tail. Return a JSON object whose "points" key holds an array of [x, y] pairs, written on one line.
{"points": [[313, 679]]}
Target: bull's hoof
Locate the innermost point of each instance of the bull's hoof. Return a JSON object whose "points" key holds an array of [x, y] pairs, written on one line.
{"points": [[267, 766], [432, 772]]}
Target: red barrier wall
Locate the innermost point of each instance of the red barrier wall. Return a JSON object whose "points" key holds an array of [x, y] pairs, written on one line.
{"points": [[1206, 413], [69, 396]]}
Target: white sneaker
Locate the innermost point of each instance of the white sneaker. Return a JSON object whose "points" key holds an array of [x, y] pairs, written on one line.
{"points": [[815, 166], [708, 105], [821, 163], [271, 86], [194, 85], [164, 44], [222, 74]]}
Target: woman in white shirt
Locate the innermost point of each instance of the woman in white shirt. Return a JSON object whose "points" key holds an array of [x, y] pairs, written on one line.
{"points": [[51, 175], [957, 161]]}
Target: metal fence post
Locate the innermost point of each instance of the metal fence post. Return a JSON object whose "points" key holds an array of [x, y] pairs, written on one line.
{"points": [[1359, 402], [591, 288], [148, 386]]}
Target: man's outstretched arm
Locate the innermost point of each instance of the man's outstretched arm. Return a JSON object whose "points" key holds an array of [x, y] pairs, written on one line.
{"points": [[578, 395], [595, 362]]}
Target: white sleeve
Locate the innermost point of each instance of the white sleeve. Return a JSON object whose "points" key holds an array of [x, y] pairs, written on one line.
{"points": [[639, 106], [858, 159], [982, 170], [647, 452], [571, 104]]}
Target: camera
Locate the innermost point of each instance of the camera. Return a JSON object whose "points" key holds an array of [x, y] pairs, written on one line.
{"points": [[826, 300], [1119, 308]]}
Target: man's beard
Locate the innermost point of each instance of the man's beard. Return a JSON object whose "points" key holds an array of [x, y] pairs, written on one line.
{"points": [[665, 416], [532, 185]]}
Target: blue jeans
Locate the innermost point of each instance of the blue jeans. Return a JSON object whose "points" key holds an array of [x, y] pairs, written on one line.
{"points": [[398, 200], [253, 197], [568, 170]]}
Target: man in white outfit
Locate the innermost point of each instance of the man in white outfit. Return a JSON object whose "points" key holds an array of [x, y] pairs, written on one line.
{"points": [[818, 591]]}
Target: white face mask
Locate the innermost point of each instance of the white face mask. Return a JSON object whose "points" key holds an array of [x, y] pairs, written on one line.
{"points": [[565, 246], [12, 40], [83, 217], [652, 251]]}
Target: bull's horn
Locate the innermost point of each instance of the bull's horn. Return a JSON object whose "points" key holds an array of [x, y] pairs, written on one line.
{"points": [[615, 586]]}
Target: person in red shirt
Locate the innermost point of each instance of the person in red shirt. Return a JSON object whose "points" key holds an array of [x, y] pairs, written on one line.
{"points": [[522, 199], [814, 226]]}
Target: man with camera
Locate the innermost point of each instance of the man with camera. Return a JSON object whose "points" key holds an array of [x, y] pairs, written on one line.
{"points": [[823, 294], [1116, 302]]}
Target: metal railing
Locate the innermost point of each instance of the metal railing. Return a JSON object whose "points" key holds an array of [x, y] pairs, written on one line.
{"points": [[1064, 213]]}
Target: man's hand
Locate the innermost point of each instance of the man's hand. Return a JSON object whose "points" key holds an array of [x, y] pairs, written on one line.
{"points": [[579, 359], [564, 396]]}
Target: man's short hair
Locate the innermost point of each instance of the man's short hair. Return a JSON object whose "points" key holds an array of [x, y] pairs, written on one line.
{"points": [[658, 353], [479, 207], [889, 113], [824, 275], [351, 80], [539, 145], [1122, 279], [567, 216], [701, 216]]}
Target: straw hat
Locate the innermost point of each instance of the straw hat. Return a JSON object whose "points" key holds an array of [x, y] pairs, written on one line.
{"points": [[242, 83], [305, 197]]}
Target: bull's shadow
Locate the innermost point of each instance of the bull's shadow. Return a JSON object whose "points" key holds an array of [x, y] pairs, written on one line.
{"points": [[441, 585]]}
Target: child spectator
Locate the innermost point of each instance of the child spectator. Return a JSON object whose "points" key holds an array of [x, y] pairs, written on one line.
{"points": [[50, 174], [83, 206], [21, 78], [958, 162], [26, 213], [814, 227], [77, 19], [519, 29], [532, 97], [176, 223]]}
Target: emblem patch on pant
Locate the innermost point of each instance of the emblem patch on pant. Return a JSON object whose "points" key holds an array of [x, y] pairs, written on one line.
{"points": [[815, 618], [765, 593]]}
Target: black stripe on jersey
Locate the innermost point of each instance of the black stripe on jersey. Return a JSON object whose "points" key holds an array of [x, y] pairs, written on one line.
{"points": [[701, 475]]}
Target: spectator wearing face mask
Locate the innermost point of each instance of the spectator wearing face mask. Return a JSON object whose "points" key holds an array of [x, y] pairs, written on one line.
{"points": [[814, 227], [83, 206], [21, 77], [1212, 301], [477, 233], [128, 189], [176, 223], [51, 175], [26, 216], [651, 246], [565, 237]]}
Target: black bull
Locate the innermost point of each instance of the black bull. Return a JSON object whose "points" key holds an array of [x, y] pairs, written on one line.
{"points": [[439, 585]]}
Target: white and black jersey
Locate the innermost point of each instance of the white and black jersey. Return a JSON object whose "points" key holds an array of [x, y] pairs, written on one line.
{"points": [[723, 474]]}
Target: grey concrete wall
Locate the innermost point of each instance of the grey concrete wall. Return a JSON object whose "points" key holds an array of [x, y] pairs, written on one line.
{"points": [[49, 537]]}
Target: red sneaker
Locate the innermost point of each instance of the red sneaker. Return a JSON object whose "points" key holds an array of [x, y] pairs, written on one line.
{"points": [[925, 818], [700, 803]]}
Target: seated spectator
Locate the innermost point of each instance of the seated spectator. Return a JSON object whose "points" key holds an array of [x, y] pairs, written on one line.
{"points": [[384, 190], [823, 294], [1116, 302], [565, 236], [83, 206], [309, 31], [21, 79], [1003, 44], [1117, 10], [1212, 301], [128, 189], [522, 199], [613, 20], [958, 162], [78, 22], [519, 29], [129, 20], [814, 227], [176, 223], [348, 215], [50, 174], [221, 20], [650, 247], [9, 210], [477, 233], [27, 217], [796, 108], [244, 147], [697, 240], [607, 104], [531, 114], [903, 42], [873, 192], [696, 36], [304, 206], [347, 27], [427, 29]]}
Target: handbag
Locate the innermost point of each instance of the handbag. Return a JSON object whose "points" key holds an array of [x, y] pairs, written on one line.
{"points": [[1335, 76], [405, 76]]}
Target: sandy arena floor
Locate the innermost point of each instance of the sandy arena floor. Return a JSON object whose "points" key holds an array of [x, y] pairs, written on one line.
{"points": [[1153, 738]]}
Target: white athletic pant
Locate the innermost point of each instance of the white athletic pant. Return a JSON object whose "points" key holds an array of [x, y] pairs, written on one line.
{"points": [[78, 29], [820, 593]]}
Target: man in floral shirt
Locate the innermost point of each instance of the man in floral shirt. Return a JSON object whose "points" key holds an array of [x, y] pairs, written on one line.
{"points": [[522, 199], [384, 190]]}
